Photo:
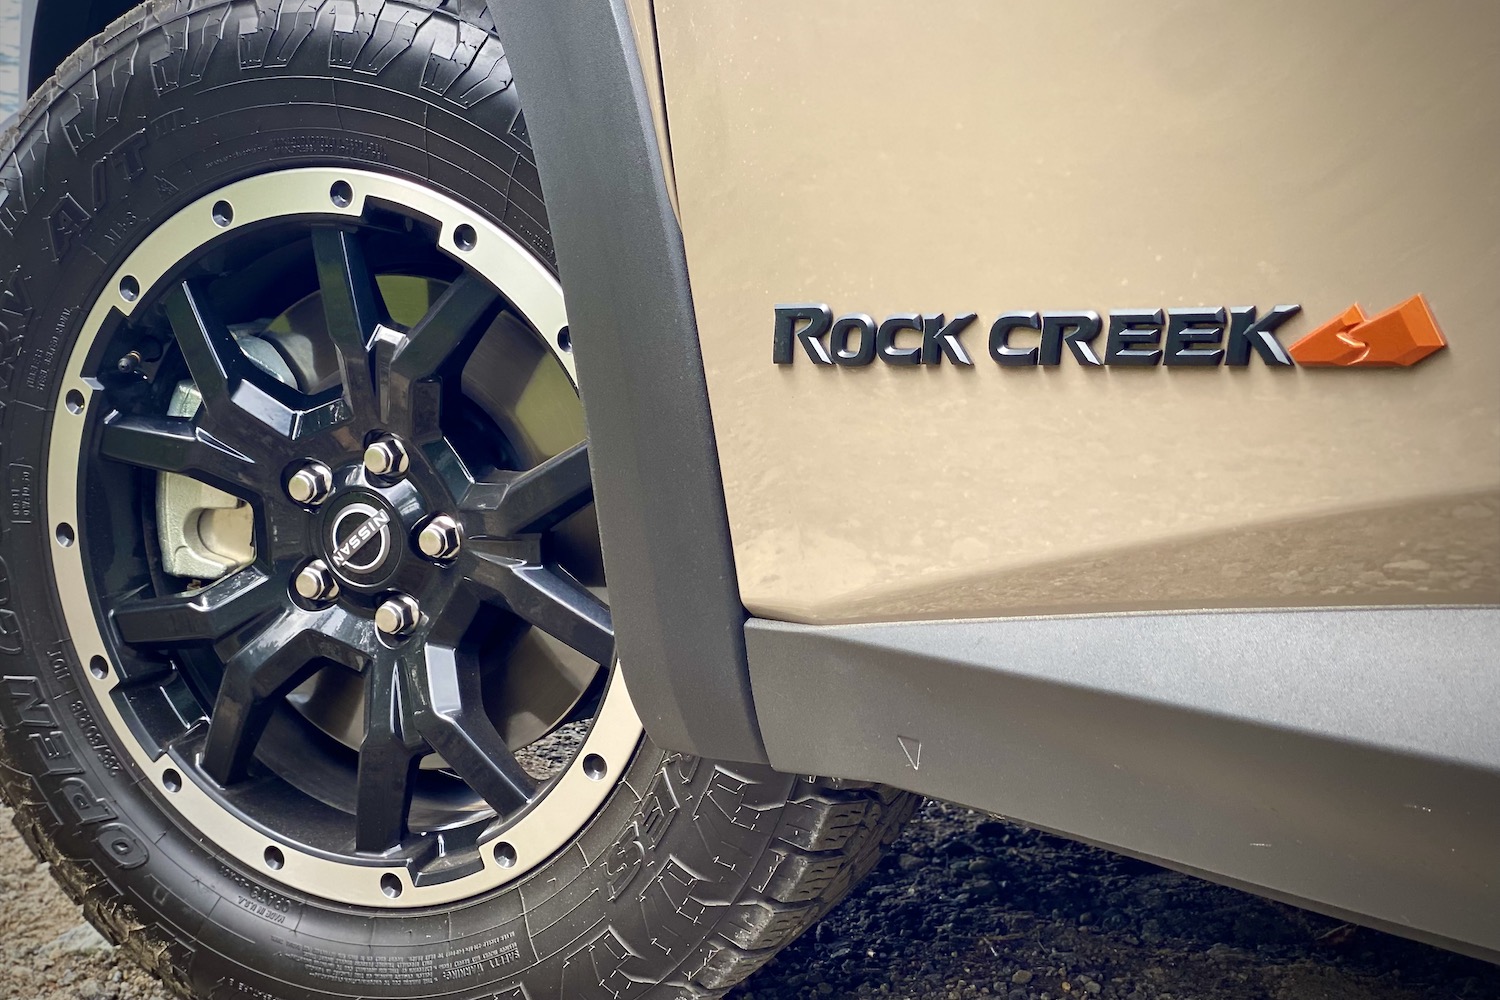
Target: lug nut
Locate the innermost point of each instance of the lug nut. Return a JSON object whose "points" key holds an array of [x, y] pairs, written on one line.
{"points": [[310, 485], [398, 616], [439, 538], [316, 582], [387, 457]]}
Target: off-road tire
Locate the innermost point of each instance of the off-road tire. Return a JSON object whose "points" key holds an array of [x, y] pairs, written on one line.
{"points": [[689, 877]]}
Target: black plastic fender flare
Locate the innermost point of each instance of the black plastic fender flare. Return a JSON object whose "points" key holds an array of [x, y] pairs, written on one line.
{"points": [[679, 622]]}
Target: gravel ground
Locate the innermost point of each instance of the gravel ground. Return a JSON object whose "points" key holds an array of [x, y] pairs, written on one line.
{"points": [[965, 906], [47, 952]]}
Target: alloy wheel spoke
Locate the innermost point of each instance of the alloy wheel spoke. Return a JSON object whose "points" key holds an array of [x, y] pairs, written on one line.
{"points": [[352, 308], [536, 500], [177, 444], [388, 758], [439, 333], [200, 616], [231, 390], [213, 358], [274, 661], [320, 417], [455, 724], [429, 344], [547, 597]]}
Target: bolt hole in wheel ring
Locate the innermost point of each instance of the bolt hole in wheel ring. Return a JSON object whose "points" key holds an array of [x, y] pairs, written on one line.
{"points": [[405, 527]]}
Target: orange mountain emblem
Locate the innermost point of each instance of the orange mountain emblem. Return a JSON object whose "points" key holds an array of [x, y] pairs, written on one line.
{"points": [[1401, 336]]}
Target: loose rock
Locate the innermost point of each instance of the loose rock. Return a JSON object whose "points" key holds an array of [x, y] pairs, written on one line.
{"points": [[79, 940]]}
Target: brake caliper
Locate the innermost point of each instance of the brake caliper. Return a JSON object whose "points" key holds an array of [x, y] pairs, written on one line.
{"points": [[206, 533]]}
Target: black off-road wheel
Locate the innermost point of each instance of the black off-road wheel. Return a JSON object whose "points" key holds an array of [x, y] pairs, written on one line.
{"points": [[307, 672]]}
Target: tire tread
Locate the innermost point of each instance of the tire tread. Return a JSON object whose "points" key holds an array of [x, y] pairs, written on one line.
{"points": [[827, 835]]}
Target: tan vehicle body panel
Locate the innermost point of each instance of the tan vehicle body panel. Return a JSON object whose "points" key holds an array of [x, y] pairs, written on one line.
{"points": [[887, 156]]}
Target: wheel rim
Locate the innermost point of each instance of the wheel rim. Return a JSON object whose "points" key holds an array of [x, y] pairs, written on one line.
{"points": [[383, 548]]}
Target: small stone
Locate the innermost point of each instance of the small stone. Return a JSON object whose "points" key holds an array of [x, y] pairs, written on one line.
{"points": [[908, 862], [980, 865], [1092, 987], [1021, 977], [80, 940], [825, 988]]}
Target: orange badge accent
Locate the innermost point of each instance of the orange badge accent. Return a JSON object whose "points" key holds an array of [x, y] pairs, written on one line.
{"points": [[1400, 336]]}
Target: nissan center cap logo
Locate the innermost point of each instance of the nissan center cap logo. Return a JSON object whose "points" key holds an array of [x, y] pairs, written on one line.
{"points": [[1202, 337], [360, 538]]}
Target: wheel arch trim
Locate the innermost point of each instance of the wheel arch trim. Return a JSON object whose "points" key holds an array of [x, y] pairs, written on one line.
{"points": [[662, 516]]}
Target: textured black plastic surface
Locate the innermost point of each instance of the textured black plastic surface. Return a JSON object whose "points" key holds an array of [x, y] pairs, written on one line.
{"points": [[1346, 760], [678, 618]]}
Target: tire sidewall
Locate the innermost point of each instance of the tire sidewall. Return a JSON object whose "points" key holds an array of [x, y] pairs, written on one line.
{"points": [[116, 153]]}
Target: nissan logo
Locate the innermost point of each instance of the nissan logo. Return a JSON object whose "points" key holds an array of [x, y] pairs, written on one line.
{"points": [[361, 538]]}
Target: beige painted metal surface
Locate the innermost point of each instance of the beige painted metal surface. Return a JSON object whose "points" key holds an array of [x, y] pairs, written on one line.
{"points": [[968, 155], [643, 27]]}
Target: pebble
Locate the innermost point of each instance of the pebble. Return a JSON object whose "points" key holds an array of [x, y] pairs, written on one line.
{"points": [[79, 940], [1021, 977]]}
